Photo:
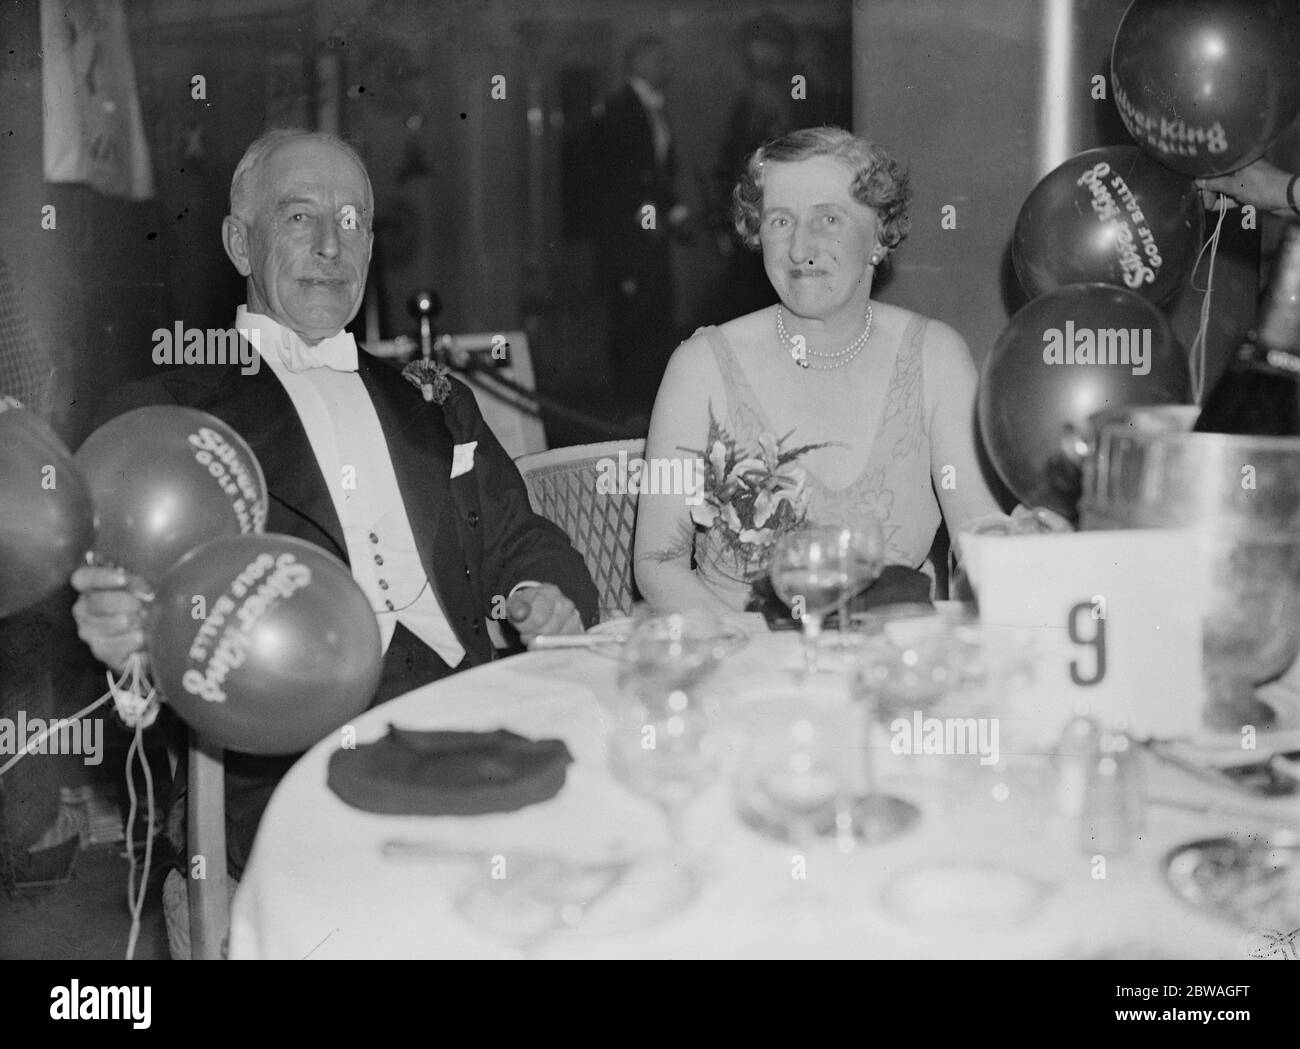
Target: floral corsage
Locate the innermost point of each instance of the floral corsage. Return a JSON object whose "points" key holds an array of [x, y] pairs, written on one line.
{"points": [[756, 495]]}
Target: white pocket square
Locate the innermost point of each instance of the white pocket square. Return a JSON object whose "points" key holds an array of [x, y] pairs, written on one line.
{"points": [[462, 459]]}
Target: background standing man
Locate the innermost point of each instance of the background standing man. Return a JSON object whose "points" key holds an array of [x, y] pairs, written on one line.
{"points": [[638, 209]]}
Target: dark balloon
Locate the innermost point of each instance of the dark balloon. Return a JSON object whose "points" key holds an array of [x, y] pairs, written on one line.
{"points": [[1206, 85], [47, 522], [1066, 355], [1111, 215], [166, 479], [263, 643]]}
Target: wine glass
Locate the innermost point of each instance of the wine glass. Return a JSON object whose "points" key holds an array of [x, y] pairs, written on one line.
{"points": [[865, 813], [787, 783], [815, 568], [788, 787], [668, 655], [916, 667], [669, 760]]}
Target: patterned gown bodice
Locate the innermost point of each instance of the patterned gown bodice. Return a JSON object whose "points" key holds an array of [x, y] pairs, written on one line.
{"points": [[894, 484]]}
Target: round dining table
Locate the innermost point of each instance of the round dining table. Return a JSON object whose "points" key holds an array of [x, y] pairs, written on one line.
{"points": [[993, 867]]}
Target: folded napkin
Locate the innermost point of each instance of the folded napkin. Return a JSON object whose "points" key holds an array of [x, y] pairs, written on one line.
{"points": [[448, 773], [896, 585]]}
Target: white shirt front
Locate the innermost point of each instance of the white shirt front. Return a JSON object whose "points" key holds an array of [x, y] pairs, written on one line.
{"points": [[350, 448]]}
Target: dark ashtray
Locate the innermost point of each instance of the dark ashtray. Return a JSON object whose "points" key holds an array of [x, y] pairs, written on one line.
{"points": [[896, 585], [1249, 880]]}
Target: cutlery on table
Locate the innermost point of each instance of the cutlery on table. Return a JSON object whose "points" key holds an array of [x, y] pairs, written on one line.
{"points": [[577, 640], [1274, 775]]}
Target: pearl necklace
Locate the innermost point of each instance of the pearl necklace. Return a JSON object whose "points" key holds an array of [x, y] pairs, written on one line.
{"points": [[844, 356]]}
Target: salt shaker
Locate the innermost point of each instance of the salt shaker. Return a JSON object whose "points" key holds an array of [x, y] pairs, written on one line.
{"points": [[1074, 758], [1114, 805]]}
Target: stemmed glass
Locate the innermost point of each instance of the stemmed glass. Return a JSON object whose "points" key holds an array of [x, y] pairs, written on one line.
{"points": [[788, 786], [665, 746], [676, 652], [787, 782], [813, 569], [918, 666], [863, 812], [669, 760], [809, 774]]}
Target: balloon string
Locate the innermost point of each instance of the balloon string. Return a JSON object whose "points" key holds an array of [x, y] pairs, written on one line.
{"points": [[134, 899], [135, 671], [1196, 358], [55, 726], [137, 699]]}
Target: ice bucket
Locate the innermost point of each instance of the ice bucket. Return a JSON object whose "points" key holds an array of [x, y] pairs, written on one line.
{"points": [[1241, 495]]}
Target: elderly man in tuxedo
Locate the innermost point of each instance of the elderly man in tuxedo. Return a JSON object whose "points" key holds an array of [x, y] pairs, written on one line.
{"points": [[433, 519]]}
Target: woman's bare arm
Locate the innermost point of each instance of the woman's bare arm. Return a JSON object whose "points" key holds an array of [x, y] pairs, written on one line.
{"points": [[664, 530], [950, 386]]}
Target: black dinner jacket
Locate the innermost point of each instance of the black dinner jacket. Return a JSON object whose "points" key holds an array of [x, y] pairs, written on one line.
{"points": [[627, 141], [631, 176], [477, 535]]}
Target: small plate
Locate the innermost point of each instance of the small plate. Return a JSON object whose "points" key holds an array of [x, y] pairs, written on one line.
{"points": [[875, 818], [549, 897]]}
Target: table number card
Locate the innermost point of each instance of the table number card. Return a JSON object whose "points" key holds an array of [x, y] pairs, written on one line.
{"points": [[1117, 616]]}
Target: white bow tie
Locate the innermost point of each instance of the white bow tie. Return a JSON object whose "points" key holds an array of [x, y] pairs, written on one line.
{"points": [[338, 352]]}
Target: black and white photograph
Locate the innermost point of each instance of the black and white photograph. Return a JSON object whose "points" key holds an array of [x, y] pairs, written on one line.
{"points": [[663, 480]]}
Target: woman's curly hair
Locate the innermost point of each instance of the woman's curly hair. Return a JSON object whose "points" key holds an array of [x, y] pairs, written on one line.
{"points": [[879, 181]]}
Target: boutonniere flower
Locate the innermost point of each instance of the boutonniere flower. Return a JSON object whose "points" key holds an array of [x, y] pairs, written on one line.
{"points": [[432, 379]]}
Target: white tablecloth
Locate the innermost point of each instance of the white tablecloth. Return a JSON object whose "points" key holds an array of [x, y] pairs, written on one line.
{"points": [[319, 886]]}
